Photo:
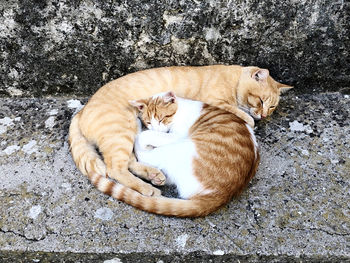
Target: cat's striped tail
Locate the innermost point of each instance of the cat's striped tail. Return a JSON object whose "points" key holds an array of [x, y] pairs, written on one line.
{"points": [[199, 205], [156, 204], [84, 153]]}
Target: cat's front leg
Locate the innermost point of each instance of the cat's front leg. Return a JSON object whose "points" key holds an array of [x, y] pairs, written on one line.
{"points": [[233, 108], [246, 117], [243, 115], [145, 171]]}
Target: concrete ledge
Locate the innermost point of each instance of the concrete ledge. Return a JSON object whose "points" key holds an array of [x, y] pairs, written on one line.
{"points": [[157, 258], [296, 208]]}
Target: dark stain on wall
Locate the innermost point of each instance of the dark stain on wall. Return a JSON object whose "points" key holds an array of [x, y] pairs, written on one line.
{"points": [[51, 48]]}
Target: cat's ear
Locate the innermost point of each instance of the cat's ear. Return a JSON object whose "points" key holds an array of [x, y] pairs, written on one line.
{"points": [[284, 88], [170, 97], [260, 74], [138, 104]]}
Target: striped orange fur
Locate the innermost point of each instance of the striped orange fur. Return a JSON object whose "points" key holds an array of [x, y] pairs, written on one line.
{"points": [[227, 160], [108, 121]]}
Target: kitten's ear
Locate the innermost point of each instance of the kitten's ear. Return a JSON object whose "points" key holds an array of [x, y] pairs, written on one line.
{"points": [[170, 97], [284, 88], [138, 104], [260, 74]]}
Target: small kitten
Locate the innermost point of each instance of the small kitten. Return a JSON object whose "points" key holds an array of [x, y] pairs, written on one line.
{"points": [[208, 153]]}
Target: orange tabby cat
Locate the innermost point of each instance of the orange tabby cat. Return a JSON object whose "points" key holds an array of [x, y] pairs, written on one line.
{"points": [[108, 121], [208, 153]]}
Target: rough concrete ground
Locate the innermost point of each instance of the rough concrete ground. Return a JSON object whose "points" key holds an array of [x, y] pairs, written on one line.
{"points": [[296, 209]]}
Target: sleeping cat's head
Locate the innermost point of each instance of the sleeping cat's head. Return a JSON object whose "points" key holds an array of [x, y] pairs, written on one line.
{"points": [[258, 93], [157, 112]]}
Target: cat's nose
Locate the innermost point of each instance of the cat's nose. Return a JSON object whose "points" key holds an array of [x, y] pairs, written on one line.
{"points": [[263, 116]]}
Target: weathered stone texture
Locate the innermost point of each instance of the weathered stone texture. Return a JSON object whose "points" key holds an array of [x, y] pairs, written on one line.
{"points": [[73, 47], [296, 209]]}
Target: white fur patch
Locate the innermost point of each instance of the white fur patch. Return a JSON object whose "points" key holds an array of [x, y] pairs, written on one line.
{"points": [[187, 113], [175, 160], [116, 190], [174, 154], [252, 136], [94, 178], [158, 126], [103, 184]]}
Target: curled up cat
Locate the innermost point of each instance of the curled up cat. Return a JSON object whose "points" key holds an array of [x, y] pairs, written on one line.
{"points": [[208, 153], [107, 121]]}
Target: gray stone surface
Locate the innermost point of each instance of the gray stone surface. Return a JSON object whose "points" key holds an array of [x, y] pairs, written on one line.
{"points": [[53, 47], [296, 209]]}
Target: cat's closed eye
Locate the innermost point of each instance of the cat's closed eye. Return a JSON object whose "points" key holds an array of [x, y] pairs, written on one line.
{"points": [[261, 101], [255, 102], [166, 117]]}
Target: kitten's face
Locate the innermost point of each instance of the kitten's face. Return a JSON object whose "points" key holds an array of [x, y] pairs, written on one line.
{"points": [[259, 94], [157, 112]]}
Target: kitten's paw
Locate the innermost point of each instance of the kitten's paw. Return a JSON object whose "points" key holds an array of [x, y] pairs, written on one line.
{"points": [[155, 175], [149, 190], [157, 178]]}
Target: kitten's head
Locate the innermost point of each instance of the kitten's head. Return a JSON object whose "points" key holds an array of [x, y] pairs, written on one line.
{"points": [[157, 112], [258, 93]]}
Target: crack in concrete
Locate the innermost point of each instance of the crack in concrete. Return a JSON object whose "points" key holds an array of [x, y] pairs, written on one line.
{"points": [[255, 213], [69, 235], [44, 236], [316, 229], [22, 235]]}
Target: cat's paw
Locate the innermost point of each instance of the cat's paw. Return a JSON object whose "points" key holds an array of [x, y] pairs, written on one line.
{"points": [[147, 172], [152, 174], [156, 177], [149, 190], [156, 192]]}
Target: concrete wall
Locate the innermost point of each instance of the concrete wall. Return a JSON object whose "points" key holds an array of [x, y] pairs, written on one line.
{"points": [[73, 47]]}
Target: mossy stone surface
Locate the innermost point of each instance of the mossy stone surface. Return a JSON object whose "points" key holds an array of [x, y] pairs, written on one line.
{"points": [[74, 47], [295, 209]]}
